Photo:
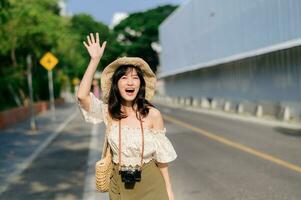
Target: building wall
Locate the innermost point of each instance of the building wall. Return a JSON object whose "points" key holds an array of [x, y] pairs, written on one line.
{"points": [[274, 78], [206, 30]]}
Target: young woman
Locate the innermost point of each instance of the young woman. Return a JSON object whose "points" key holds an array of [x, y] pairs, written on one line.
{"points": [[140, 149]]}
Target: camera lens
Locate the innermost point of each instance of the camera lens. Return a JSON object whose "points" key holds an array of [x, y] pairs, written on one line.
{"points": [[129, 177]]}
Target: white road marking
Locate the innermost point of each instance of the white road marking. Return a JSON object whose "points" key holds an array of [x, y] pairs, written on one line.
{"points": [[13, 177], [236, 145]]}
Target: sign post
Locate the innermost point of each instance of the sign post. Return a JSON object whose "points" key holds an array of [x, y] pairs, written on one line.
{"points": [[49, 61], [29, 80], [51, 95]]}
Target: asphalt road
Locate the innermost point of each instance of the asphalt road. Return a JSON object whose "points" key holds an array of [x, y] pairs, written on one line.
{"points": [[209, 168], [218, 159]]}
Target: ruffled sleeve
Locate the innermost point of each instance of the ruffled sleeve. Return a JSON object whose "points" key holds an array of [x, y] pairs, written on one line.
{"points": [[165, 151], [96, 113]]}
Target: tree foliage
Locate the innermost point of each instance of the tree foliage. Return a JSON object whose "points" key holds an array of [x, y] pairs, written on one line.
{"points": [[83, 24], [33, 27], [137, 32]]}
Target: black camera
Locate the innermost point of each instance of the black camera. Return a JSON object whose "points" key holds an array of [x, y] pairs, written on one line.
{"points": [[129, 177]]}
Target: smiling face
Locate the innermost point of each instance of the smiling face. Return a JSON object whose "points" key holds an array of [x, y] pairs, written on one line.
{"points": [[129, 85]]}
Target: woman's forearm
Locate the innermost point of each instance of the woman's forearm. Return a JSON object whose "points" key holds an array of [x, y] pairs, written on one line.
{"points": [[95, 51], [85, 84], [164, 171]]}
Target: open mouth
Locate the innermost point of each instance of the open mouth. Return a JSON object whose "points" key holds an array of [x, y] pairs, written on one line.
{"points": [[130, 92]]}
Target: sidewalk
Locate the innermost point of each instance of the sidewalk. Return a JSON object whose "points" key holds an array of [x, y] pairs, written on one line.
{"points": [[265, 120], [20, 146]]}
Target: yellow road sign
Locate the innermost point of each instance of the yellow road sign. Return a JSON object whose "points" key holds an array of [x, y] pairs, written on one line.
{"points": [[49, 61], [75, 81]]}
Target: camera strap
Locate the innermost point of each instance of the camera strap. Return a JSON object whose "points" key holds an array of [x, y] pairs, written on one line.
{"points": [[142, 141]]}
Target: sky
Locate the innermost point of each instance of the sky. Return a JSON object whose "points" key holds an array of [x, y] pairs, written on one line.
{"points": [[104, 10]]}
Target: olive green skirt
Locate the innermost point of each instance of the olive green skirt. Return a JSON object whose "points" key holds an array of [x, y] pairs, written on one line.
{"points": [[152, 185]]}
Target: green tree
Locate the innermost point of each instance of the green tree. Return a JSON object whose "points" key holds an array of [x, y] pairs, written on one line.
{"points": [[82, 25], [35, 27], [137, 32], [31, 26], [28, 27]]}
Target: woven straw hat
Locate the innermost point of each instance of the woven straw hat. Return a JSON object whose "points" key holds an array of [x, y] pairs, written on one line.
{"points": [[148, 75]]}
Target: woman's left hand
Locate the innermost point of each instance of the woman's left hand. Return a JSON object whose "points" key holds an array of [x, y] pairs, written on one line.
{"points": [[170, 194], [93, 47]]}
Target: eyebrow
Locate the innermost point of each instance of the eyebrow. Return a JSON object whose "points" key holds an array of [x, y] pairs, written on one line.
{"points": [[131, 75]]}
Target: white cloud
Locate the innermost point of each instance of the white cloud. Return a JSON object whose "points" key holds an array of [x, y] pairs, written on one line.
{"points": [[117, 18], [63, 5]]}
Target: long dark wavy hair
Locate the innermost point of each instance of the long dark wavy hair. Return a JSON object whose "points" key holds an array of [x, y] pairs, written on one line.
{"points": [[115, 99]]}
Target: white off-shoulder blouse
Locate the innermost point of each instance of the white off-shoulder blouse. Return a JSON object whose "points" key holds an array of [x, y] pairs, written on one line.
{"points": [[156, 145]]}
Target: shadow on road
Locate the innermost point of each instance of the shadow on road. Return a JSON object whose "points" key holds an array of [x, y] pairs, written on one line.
{"points": [[289, 132], [59, 171]]}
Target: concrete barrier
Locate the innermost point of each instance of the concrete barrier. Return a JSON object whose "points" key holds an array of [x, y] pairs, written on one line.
{"points": [[182, 101], [293, 109], [286, 113], [188, 101], [213, 104], [227, 106], [205, 103], [283, 111], [270, 108], [240, 108], [259, 111], [195, 102]]}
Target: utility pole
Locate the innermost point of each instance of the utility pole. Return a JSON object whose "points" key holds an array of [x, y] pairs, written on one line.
{"points": [[29, 80]]}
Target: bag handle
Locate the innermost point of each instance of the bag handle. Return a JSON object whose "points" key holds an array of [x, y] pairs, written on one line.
{"points": [[106, 150]]}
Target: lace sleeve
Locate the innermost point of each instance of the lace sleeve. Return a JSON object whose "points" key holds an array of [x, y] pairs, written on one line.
{"points": [[95, 114], [165, 151]]}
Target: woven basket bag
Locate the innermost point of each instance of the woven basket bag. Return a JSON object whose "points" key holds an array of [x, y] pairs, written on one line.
{"points": [[104, 166]]}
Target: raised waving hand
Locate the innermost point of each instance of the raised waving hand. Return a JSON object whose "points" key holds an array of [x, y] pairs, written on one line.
{"points": [[96, 52], [93, 46]]}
